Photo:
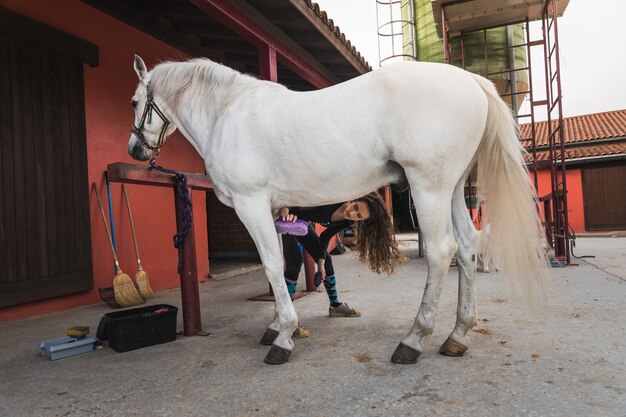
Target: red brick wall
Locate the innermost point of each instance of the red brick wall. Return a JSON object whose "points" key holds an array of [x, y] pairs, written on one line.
{"points": [[227, 235]]}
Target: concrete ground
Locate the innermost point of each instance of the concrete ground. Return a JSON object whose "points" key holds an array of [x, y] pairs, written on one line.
{"points": [[567, 360]]}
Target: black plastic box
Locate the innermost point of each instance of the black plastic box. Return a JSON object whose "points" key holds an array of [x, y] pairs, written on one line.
{"points": [[139, 327]]}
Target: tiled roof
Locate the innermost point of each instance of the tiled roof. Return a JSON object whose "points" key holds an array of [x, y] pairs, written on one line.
{"points": [[587, 151], [582, 134], [335, 29], [611, 124]]}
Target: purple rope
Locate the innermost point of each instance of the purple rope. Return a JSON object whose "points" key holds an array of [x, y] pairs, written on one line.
{"points": [[185, 209]]}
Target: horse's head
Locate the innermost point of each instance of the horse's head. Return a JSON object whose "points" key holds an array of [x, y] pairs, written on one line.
{"points": [[151, 125]]}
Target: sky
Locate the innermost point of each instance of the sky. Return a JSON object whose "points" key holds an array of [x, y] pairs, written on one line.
{"points": [[592, 42]]}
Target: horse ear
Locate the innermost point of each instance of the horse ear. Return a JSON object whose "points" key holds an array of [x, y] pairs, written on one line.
{"points": [[140, 68]]}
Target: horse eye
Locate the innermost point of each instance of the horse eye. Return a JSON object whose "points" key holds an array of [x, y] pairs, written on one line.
{"points": [[134, 103]]}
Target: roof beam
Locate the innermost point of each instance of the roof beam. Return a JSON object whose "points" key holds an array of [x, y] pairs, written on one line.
{"points": [[239, 46], [328, 33], [216, 30], [153, 27], [239, 16]]}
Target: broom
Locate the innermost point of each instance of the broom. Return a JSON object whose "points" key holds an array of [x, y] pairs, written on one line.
{"points": [[124, 289], [141, 277]]}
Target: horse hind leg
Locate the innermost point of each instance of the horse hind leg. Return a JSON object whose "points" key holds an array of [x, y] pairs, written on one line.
{"points": [[433, 208], [467, 238]]}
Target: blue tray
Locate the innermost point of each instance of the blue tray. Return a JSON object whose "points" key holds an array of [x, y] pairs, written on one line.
{"points": [[66, 346]]}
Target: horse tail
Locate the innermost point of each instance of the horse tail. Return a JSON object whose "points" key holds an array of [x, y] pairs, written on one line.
{"points": [[515, 242]]}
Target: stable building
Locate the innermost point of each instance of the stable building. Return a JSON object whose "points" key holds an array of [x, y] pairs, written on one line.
{"points": [[595, 159], [66, 81]]}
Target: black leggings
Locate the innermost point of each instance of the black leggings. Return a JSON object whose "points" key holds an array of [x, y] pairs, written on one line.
{"points": [[294, 259]]}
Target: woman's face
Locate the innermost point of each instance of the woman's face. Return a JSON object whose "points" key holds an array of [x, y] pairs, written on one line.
{"points": [[357, 211]]}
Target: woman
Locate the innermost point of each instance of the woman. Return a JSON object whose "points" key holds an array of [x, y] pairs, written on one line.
{"points": [[375, 241]]}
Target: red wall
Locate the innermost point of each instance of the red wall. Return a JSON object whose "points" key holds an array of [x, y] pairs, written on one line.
{"points": [[108, 90], [575, 208], [226, 232]]}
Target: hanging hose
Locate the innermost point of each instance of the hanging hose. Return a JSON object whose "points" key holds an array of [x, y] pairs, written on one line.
{"points": [[572, 244]]}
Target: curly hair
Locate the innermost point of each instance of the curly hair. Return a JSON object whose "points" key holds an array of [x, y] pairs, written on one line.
{"points": [[375, 238]]}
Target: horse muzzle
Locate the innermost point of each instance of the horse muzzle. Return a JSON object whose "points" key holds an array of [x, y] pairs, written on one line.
{"points": [[137, 151]]}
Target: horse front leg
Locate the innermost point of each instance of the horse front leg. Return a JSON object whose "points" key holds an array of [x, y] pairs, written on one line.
{"points": [[271, 333], [256, 216], [435, 220], [467, 238]]}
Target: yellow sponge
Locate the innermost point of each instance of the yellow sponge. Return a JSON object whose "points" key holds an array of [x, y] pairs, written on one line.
{"points": [[78, 331]]}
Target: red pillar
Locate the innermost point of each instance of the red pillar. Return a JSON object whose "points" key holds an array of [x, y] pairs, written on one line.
{"points": [[268, 66], [189, 292]]}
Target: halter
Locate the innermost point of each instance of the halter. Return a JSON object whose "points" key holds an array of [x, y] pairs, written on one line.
{"points": [[147, 113]]}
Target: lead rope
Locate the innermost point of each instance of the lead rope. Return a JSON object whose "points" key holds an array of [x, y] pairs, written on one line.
{"points": [[185, 210]]}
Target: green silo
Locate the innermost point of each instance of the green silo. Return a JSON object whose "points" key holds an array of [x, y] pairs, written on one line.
{"points": [[429, 48]]}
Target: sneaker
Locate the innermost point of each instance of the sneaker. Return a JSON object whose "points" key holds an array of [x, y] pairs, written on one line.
{"points": [[343, 310], [300, 331]]}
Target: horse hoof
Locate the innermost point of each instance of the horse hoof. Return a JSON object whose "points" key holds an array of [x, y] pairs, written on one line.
{"points": [[405, 354], [277, 355], [268, 337], [452, 348]]}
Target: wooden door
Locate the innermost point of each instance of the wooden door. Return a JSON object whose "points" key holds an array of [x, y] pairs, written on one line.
{"points": [[604, 197], [45, 242]]}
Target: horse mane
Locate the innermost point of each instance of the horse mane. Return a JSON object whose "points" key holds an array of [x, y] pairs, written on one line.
{"points": [[208, 82]]}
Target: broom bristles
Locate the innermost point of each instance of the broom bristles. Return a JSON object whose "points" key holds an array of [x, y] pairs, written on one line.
{"points": [[141, 278], [125, 292]]}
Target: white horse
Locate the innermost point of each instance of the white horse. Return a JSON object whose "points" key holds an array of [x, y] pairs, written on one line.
{"points": [[418, 124]]}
